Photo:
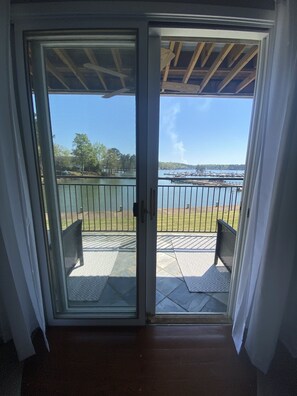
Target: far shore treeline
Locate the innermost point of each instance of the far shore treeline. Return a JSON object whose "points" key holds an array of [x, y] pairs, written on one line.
{"points": [[95, 158]]}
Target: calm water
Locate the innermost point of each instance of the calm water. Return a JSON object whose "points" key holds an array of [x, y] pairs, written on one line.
{"points": [[96, 194]]}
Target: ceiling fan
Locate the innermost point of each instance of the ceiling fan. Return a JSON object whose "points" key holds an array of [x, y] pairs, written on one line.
{"points": [[166, 57]]}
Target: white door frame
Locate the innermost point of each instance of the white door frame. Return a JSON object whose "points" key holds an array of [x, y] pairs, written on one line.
{"points": [[44, 17]]}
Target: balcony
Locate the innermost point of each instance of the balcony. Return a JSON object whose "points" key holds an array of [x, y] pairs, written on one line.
{"points": [[187, 214]]}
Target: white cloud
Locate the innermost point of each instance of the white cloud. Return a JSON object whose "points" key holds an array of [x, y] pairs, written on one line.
{"points": [[168, 125]]}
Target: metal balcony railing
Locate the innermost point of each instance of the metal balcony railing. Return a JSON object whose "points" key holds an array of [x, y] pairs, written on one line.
{"points": [[180, 207]]}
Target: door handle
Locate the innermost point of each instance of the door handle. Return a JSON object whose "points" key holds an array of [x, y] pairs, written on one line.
{"points": [[152, 203], [141, 212]]}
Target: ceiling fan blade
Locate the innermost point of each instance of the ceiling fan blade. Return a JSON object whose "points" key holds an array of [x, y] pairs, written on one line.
{"points": [[114, 93], [180, 87], [104, 70], [166, 57]]}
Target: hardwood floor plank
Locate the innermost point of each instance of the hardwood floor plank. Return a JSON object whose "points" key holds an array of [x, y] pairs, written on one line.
{"points": [[153, 360]]}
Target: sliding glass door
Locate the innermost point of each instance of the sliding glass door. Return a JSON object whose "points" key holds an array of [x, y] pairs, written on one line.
{"points": [[84, 94], [124, 231]]}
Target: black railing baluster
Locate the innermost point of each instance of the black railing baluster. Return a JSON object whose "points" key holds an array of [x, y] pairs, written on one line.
{"points": [[223, 213], [190, 207], [65, 208], [195, 214], [82, 208], [88, 206], [178, 209], [128, 212], [167, 208], [94, 218], [110, 207], [212, 207], [193, 208], [105, 213], [184, 211], [122, 206], [219, 201], [205, 228], [173, 209], [99, 208], [76, 204], [70, 201], [201, 206]]}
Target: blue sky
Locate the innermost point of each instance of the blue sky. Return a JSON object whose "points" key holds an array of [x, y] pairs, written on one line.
{"points": [[192, 130]]}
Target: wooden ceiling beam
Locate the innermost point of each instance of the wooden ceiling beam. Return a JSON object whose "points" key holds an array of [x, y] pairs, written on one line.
{"points": [[235, 54], [216, 64], [193, 62], [240, 65], [90, 54], [246, 82], [166, 71], [51, 69], [65, 58], [180, 87], [179, 47], [118, 63], [207, 50]]}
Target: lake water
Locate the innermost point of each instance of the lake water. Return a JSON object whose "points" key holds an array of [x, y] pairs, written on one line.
{"points": [[112, 194]]}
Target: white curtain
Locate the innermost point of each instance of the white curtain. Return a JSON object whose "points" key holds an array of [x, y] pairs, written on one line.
{"points": [[266, 301], [21, 304]]}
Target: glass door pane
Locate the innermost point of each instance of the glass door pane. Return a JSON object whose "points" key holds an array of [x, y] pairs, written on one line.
{"points": [[84, 98], [206, 98]]}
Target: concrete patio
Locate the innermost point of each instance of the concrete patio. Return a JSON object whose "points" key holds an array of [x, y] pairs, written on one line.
{"points": [[172, 291]]}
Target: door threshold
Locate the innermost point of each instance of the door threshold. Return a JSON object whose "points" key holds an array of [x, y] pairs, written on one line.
{"points": [[206, 318]]}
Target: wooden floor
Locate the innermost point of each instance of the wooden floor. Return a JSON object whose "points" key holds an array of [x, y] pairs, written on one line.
{"points": [[153, 360]]}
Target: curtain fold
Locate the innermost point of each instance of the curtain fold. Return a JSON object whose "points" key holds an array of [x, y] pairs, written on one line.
{"points": [[20, 289], [266, 297]]}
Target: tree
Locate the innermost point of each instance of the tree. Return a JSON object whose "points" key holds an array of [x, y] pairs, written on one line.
{"points": [[100, 152], [112, 160], [63, 158], [84, 152]]}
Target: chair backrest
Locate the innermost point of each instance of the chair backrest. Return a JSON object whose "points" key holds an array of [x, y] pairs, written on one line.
{"points": [[225, 246], [72, 245]]}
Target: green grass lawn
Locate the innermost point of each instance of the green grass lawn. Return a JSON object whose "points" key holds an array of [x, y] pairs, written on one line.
{"points": [[171, 220]]}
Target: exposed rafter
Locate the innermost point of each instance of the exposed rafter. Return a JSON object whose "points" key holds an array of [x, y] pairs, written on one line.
{"points": [[67, 60], [193, 61], [207, 50], [179, 47], [180, 87], [166, 72], [240, 65], [246, 82], [90, 54], [235, 54], [118, 63], [50, 68], [216, 64]]}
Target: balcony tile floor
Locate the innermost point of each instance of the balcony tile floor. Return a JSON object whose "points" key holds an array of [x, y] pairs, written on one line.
{"points": [[172, 293]]}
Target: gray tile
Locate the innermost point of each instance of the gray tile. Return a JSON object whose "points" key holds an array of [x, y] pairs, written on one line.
{"points": [[159, 297], [197, 304], [166, 284], [121, 284], [173, 269], [164, 259], [167, 306], [191, 302], [222, 297], [214, 305], [110, 297], [130, 297]]}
